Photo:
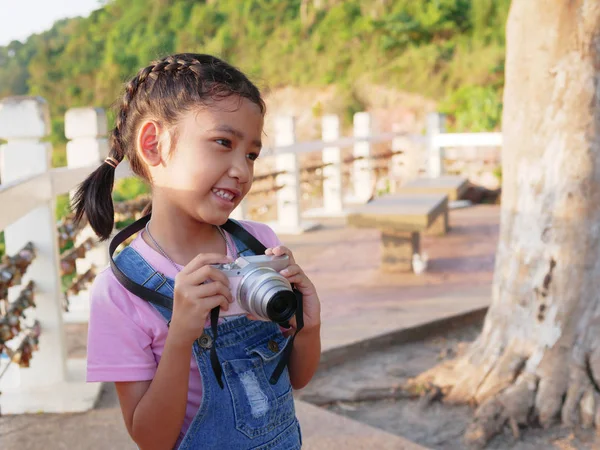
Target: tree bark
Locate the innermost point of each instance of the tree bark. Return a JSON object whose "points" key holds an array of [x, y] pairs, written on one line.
{"points": [[537, 359]]}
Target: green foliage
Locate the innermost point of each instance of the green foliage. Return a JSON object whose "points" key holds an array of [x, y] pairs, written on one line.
{"points": [[123, 223], [473, 108], [129, 188], [498, 174], [448, 50], [62, 206], [67, 280]]}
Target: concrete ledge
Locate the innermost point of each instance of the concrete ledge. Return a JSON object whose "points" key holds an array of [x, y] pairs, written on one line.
{"points": [[322, 430], [337, 352], [70, 396]]}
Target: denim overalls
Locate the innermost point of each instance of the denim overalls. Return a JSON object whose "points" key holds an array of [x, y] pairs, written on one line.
{"points": [[250, 412]]}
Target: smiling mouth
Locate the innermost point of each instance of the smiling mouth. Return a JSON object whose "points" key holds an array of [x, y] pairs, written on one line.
{"points": [[226, 195]]}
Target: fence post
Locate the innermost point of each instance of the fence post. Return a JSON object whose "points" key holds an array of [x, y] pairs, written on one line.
{"points": [[23, 122], [288, 197], [397, 161], [435, 153], [363, 177], [86, 128], [333, 201]]}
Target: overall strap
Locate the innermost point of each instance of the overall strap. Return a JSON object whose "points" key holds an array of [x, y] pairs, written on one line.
{"points": [[141, 291], [138, 270]]}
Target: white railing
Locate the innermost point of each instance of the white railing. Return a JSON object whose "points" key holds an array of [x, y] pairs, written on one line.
{"points": [[52, 383], [27, 213]]}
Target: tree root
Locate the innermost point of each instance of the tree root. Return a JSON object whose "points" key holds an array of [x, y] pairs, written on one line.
{"points": [[564, 386], [513, 405]]}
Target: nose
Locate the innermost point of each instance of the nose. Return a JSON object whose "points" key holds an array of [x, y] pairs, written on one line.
{"points": [[240, 169]]}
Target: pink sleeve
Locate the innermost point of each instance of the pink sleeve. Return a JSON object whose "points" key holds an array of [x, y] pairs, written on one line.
{"points": [[119, 347]]}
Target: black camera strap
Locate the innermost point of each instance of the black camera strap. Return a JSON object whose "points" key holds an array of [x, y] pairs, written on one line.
{"points": [[167, 302], [258, 248]]}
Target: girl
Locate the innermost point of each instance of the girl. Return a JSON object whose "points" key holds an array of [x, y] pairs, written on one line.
{"points": [[191, 126]]}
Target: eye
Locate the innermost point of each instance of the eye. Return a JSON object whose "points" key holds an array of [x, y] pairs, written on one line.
{"points": [[224, 142], [253, 156]]}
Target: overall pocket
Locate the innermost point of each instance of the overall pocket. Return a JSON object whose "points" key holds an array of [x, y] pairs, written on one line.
{"points": [[260, 407]]}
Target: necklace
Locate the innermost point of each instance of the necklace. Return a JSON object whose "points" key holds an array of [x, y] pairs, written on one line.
{"points": [[221, 232]]}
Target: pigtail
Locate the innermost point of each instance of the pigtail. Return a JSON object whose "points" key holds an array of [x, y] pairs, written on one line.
{"points": [[93, 197]]}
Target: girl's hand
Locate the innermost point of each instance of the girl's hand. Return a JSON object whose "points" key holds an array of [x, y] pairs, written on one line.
{"points": [[310, 300], [194, 298]]}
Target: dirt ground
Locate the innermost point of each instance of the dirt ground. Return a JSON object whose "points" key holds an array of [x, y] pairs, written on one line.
{"points": [[363, 390]]}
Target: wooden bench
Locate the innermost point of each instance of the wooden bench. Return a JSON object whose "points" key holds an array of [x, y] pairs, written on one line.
{"points": [[402, 218], [452, 186]]}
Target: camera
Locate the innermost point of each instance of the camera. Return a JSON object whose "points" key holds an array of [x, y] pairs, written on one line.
{"points": [[259, 289]]}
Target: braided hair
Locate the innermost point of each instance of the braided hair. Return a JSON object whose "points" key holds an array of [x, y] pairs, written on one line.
{"points": [[163, 90]]}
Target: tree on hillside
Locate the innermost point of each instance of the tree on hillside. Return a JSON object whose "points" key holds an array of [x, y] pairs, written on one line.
{"points": [[537, 359], [447, 50]]}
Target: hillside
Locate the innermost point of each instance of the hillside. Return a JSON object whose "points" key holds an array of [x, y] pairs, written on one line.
{"points": [[448, 51]]}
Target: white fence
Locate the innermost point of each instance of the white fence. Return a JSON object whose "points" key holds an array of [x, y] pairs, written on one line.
{"points": [[29, 188]]}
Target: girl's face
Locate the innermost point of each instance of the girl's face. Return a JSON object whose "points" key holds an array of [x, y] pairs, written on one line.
{"points": [[211, 166]]}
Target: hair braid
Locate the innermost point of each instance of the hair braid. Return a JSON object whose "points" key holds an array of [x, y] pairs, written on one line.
{"points": [[117, 146]]}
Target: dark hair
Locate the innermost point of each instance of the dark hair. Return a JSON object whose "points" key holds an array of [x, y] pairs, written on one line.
{"points": [[163, 90]]}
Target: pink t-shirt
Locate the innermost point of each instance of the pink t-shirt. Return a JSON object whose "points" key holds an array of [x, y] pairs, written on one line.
{"points": [[126, 335]]}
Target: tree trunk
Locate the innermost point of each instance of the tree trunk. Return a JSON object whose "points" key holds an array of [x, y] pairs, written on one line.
{"points": [[537, 359]]}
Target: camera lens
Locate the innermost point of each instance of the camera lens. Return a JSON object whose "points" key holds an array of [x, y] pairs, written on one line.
{"points": [[281, 306], [267, 295]]}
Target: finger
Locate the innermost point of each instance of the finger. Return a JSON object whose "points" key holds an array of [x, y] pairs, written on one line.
{"points": [[291, 270], [283, 250], [301, 282], [206, 273], [251, 317], [216, 300], [213, 288], [204, 259], [269, 252]]}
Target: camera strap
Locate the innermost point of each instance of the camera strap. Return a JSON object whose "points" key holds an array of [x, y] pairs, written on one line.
{"points": [[233, 227], [164, 301]]}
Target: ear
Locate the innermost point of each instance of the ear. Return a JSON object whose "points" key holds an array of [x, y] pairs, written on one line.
{"points": [[147, 142]]}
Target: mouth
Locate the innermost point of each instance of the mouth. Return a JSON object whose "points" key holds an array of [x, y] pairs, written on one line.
{"points": [[228, 195]]}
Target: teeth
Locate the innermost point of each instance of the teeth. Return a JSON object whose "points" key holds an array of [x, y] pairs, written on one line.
{"points": [[223, 194]]}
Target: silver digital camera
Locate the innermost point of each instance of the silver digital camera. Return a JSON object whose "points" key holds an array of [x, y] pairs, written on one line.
{"points": [[259, 289]]}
